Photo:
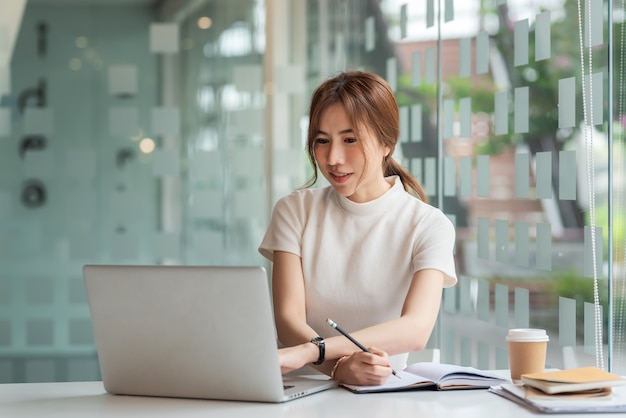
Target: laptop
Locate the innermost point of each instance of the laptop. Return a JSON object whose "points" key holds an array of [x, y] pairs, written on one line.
{"points": [[189, 331]]}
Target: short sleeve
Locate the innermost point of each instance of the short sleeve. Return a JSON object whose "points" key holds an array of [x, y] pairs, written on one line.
{"points": [[435, 246], [284, 232]]}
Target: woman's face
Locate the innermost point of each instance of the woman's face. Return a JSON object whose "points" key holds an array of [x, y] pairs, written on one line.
{"points": [[352, 166]]}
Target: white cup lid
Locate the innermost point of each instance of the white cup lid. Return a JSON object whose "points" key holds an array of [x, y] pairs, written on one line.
{"points": [[527, 335]]}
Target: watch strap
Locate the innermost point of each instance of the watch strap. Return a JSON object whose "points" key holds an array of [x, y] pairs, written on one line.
{"points": [[321, 346]]}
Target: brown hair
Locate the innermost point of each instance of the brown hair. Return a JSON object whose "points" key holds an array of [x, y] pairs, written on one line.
{"points": [[368, 101]]}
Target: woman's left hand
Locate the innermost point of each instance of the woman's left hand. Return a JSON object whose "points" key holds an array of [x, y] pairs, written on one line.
{"points": [[364, 368]]}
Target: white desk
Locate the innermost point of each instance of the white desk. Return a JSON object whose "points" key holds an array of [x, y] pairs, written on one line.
{"points": [[88, 399]]}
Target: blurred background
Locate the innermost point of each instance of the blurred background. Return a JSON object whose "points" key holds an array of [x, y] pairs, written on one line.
{"points": [[163, 131]]}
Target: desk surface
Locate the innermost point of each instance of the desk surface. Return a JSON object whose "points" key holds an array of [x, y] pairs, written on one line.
{"points": [[88, 399]]}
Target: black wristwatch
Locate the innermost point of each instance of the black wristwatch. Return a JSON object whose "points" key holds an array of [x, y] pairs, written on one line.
{"points": [[321, 345]]}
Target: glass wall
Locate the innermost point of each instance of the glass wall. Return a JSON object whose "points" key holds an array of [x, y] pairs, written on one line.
{"points": [[153, 132], [224, 181], [512, 120], [509, 121], [76, 181]]}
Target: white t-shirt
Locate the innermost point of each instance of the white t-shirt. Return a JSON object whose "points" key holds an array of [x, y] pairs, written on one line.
{"points": [[358, 259]]}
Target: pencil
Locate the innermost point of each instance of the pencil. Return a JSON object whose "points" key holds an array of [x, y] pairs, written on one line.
{"points": [[358, 344]]}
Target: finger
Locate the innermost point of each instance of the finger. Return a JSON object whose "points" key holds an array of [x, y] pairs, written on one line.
{"points": [[377, 375], [378, 352], [374, 358]]}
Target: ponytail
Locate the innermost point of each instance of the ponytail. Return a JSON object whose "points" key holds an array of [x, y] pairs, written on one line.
{"points": [[393, 168]]}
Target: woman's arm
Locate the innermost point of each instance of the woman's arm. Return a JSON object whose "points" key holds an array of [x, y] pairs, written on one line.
{"points": [[290, 316], [410, 332], [289, 300]]}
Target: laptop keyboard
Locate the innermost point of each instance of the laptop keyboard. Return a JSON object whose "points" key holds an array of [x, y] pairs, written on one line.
{"points": [[287, 386]]}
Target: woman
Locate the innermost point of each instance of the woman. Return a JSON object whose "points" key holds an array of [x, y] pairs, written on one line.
{"points": [[363, 251]]}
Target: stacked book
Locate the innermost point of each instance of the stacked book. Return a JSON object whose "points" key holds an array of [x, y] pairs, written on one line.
{"points": [[579, 390]]}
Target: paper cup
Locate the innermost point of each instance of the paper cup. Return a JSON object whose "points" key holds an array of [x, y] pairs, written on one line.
{"points": [[527, 351]]}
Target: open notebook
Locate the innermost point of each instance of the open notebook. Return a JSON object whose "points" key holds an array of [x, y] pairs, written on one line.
{"points": [[435, 376], [194, 332]]}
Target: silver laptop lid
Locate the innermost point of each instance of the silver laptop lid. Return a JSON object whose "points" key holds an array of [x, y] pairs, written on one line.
{"points": [[185, 331]]}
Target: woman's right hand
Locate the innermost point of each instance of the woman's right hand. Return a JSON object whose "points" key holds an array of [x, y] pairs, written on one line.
{"points": [[364, 369], [293, 358]]}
